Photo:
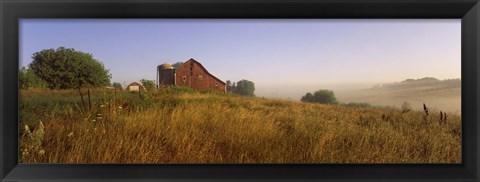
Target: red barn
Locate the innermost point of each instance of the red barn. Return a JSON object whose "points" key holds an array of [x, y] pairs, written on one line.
{"points": [[190, 74]]}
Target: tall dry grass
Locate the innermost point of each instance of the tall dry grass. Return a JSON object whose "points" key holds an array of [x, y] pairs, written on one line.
{"points": [[183, 126]]}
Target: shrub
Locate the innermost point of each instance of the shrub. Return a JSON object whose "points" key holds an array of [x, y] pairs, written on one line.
{"points": [[117, 85], [245, 88], [148, 84], [213, 92], [28, 79], [357, 104], [406, 107], [321, 96], [176, 90]]}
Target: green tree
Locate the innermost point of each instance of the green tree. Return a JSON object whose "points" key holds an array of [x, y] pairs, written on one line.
{"points": [[307, 97], [320, 96], [229, 85], [65, 68], [245, 87], [28, 79], [117, 85], [148, 84], [177, 65]]}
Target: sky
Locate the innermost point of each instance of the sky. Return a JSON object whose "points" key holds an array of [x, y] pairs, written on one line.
{"points": [[282, 57]]}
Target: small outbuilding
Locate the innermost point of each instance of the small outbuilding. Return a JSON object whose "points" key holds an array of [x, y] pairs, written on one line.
{"points": [[136, 87]]}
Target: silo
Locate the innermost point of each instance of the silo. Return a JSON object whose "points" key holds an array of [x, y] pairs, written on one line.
{"points": [[165, 75]]}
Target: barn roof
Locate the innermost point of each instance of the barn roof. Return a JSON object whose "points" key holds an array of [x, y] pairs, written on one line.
{"points": [[134, 83], [201, 66]]}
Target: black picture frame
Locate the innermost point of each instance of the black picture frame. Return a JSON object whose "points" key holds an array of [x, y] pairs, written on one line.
{"points": [[466, 10]]}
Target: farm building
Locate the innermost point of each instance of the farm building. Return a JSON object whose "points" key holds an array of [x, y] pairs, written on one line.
{"points": [[136, 87], [190, 74]]}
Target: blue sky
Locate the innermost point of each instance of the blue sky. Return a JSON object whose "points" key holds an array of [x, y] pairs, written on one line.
{"points": [[275, 54]]}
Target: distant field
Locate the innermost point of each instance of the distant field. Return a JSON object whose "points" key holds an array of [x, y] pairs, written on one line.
{"points": [[179, 125], [441, 99]]}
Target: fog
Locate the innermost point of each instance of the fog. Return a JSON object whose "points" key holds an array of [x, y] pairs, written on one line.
{"points": [[296, 91], [436, 98]]}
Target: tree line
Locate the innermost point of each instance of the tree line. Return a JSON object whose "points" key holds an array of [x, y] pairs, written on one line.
{"points": [[426, 81], [242, 87], [67, 68], [325, 96]]}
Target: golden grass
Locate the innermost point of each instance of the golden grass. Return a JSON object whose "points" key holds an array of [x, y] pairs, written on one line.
{"points": [[221, 128]]}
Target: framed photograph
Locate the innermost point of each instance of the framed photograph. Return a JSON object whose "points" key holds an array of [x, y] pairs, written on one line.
{"points": [[239, 90]]}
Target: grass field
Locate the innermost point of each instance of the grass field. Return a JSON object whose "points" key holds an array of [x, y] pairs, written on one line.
{"points": [[178, 125]]}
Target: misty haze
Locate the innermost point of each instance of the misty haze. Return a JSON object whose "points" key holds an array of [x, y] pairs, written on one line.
{"points": [[436, 95]]}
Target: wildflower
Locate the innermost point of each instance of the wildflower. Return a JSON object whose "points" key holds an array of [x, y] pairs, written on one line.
{"points": [[70, 134], [41, 152], [27, 129], [40, 125], [120, 107], [39, 132], [28, 132], [24, 151]]}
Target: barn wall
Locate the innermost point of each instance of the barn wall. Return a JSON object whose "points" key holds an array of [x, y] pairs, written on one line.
{"points": [[197, 77]]}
